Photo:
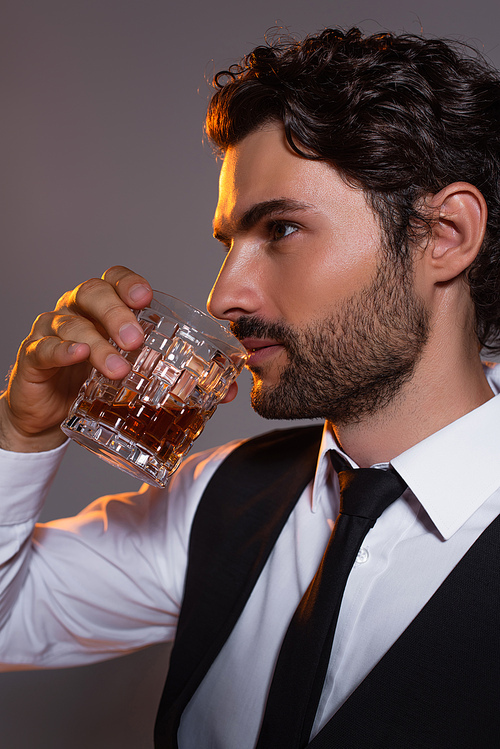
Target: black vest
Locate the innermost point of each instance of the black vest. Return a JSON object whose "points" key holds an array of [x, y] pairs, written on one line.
{"points": [[438, 686]]}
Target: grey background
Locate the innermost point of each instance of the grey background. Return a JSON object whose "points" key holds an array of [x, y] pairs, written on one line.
{"points": [[103, 162]]}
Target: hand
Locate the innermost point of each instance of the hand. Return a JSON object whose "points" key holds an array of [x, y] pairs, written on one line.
{"points": [[56, 357]]}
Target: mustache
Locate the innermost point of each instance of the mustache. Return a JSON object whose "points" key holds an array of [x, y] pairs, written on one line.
{"points": [[255, 327]]}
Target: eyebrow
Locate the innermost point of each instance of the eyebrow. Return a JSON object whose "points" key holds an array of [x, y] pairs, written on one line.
{"points": [[226, 230]]}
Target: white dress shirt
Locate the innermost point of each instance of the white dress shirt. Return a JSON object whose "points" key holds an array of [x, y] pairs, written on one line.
{"points": [[111, 579]]}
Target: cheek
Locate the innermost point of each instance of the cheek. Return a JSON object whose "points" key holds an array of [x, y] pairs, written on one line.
{"points": [[316, 287], [304, 294]]}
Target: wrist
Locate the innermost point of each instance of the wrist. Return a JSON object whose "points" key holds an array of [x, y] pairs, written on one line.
{"points": [[14, 439]]}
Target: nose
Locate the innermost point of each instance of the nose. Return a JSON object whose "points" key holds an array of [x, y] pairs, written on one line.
{"points": [[237, 291]]}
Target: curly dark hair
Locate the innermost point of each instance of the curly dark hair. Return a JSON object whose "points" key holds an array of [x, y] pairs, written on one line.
{"points": [[399, 115]]}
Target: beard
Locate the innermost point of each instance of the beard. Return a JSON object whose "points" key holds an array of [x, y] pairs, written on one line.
{"points": [[347, 366]]}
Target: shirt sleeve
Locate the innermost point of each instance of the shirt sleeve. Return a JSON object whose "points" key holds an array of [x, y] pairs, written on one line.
{"points": [[103, 583]]}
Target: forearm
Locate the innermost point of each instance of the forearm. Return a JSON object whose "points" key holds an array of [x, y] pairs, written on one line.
{"points": [[105, 582], [83, 589], [25, 480]]}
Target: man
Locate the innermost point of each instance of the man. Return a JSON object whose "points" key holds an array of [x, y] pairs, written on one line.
{"points": [[359, 205]]}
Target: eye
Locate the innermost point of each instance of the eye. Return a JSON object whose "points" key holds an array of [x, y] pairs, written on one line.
{"points": [[281, 229]]}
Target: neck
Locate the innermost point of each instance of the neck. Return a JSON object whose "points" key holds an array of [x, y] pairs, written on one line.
{"points": [[436, 396]]}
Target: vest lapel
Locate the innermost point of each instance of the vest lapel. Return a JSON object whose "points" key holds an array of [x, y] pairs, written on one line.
{"points": [[240, 517]]}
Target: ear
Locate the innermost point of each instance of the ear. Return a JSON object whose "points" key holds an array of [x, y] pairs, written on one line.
{"points": [[459, 213]]}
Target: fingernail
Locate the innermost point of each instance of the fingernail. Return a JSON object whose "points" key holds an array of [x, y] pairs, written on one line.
{"points": [[138, 292], [130, 334], [114, 362]]}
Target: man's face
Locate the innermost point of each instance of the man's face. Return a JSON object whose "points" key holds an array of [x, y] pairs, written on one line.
{"points": [[333, 325]]}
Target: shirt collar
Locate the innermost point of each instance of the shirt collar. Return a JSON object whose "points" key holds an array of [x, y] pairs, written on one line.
{"points": [[456, 469], [324, 468], [451, 473]]}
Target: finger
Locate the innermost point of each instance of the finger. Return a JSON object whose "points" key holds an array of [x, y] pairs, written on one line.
{"points": [[44, 381], [132, 288], [42, 357], [97, 300], [102, 354], [231, 393], [51, 352], [52, 328]]}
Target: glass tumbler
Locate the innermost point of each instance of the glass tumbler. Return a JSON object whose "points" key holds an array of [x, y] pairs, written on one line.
{"points": [[146, 422]]}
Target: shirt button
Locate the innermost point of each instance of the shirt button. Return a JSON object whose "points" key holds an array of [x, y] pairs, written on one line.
{"points": [[362, 556]]}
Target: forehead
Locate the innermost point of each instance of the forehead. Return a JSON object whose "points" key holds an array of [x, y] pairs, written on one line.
{"points": [[263, 167]]}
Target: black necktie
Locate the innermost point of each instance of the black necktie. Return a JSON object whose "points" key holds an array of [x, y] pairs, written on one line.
{"points": [[304, 656]]}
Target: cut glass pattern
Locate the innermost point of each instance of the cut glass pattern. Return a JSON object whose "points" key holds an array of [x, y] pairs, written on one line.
{"points": [[145, 423]]}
